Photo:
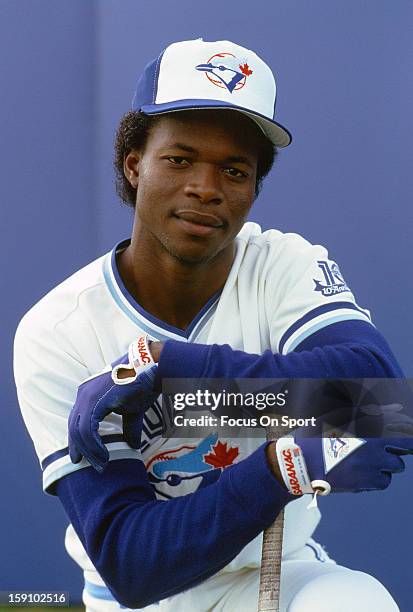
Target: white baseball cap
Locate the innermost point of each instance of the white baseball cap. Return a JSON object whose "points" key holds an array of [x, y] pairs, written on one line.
{"points": [[195, 74]]}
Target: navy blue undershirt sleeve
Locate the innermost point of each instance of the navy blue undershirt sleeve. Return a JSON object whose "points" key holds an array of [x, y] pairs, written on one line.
{"points": [[348, 349], [146, 549]]}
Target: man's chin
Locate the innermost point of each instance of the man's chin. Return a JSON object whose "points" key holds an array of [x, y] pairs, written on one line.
{"points": [[190, 258], [194, 256], [194, 251]]}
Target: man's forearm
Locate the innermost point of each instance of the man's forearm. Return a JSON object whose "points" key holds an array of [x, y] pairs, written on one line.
{"points": [[145, 549]]}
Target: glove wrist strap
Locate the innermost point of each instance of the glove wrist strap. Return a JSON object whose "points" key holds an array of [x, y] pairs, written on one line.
{"points": [[139, 353], [140, 359], [292, 466], [294, 471]]}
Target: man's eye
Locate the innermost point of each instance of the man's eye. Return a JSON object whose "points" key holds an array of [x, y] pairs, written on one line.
{"points": [[235, 172], [178, 160]]}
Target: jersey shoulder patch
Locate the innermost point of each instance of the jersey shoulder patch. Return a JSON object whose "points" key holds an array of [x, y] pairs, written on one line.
{"points": [[331, 281]]}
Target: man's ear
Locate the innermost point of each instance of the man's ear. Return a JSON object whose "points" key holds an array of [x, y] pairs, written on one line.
{"points": [[131, 167]]}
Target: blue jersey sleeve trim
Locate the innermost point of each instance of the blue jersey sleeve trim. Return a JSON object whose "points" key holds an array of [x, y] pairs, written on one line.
{"points": [[65, 451], [312, 329], [60, 465], [319, 311]]}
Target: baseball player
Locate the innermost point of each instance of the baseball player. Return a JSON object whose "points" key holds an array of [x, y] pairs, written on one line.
{"points": [[176, 524]]}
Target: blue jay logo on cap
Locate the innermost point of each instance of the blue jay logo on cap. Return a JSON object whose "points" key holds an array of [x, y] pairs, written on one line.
{"points": [[225, 70]]}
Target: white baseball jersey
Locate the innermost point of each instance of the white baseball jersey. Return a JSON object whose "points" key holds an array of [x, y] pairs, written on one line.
{"points": [[280, 290]]}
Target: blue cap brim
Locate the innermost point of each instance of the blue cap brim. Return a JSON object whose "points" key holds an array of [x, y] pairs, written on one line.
{"points": [[277, 133]]}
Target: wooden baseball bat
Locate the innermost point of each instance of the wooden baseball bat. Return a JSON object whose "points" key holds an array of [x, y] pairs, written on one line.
{"points": [[270, 575]]}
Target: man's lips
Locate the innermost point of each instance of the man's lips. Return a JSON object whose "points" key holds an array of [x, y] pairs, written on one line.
{"points": [[198, 224], [199, 218]]}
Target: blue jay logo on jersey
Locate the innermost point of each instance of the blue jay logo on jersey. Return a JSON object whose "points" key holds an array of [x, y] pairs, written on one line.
{"points": [[183, 469], [333, 279], [225, 70]]}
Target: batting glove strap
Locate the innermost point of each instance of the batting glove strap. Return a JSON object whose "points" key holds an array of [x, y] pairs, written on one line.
{"points": [[294, 471], [139, 359], [292, 466], [139, 353]]}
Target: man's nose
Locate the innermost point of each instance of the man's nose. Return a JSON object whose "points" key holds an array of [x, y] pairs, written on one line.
{"points": [[204, 183]]}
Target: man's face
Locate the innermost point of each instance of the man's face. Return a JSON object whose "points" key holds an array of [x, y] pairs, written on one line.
{"points": [[195, 182]]}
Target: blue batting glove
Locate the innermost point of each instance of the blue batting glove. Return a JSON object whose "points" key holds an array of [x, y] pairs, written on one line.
{"points": [[340, 462], [96, 399], [104, 393]]}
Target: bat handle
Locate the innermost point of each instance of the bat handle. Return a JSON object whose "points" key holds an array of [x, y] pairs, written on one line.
{"points": [[270, 576]]}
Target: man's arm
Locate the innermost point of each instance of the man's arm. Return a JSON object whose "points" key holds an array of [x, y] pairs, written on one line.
{"points": [[342, 353], [145, 549], [348, 349]]}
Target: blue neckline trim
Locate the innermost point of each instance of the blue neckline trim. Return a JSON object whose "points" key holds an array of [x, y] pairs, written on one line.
{"points": [[168, 329]]}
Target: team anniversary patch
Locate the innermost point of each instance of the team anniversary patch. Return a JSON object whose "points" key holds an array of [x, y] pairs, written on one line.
{"points": [[333, 281]]}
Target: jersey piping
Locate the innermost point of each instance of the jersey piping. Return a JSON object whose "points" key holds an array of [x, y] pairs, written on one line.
{"points": [[318, 318]]}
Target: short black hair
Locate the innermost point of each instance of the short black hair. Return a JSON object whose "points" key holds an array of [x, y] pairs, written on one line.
{"points": [[132, 133]]}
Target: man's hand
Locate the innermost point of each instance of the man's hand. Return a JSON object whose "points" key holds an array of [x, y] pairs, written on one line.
{"points": [[342, 462], [128, 389]]}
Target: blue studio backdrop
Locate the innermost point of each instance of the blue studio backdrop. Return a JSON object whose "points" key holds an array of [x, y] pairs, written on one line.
{"points": [[68, 71]]}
